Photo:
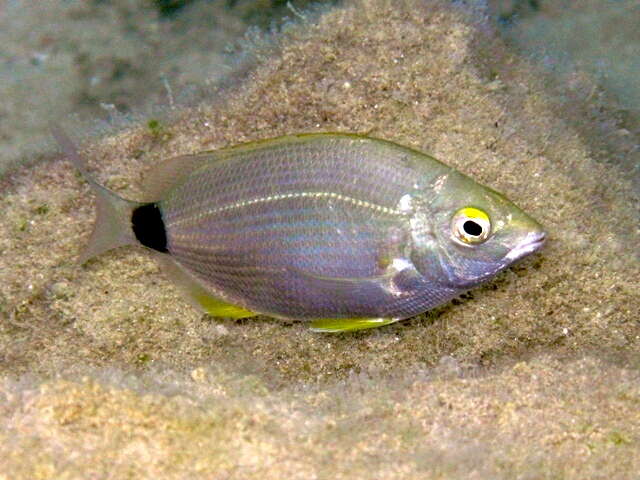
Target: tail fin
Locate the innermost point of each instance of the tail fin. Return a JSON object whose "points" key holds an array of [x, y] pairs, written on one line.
{"points": [[113, 219]]}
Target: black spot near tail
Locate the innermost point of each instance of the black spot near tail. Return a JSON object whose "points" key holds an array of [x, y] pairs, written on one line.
{"points": [[149, 227]]}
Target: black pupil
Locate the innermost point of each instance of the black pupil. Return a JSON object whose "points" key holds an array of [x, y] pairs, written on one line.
{"points": [[472, 228]]}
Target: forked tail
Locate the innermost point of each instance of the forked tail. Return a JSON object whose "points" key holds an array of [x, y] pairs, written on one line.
{"points": [[112, 227]]}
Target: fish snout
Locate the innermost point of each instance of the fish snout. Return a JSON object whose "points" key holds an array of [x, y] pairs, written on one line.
{"points": [[532, 242]]}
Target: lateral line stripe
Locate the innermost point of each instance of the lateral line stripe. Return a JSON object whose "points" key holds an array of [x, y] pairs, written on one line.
{"points": [[286, 196]]}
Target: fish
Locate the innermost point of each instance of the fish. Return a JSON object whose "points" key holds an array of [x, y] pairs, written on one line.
{"points": [[344, 231]]}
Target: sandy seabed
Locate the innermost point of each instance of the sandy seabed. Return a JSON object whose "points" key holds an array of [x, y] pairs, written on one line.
{"points": [[106, 372]]}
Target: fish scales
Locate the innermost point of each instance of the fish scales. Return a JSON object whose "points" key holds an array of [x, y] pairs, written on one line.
{"points": [[326, 210]]}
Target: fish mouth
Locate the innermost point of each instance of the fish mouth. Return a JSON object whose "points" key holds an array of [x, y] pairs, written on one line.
{"points": [[532, 242]]}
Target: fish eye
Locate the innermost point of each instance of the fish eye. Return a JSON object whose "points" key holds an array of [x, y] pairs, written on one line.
{"points": [[470, 226]]}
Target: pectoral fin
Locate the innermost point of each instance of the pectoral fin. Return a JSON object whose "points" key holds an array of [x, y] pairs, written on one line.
{"points": [[335, 325], [396, 281]]}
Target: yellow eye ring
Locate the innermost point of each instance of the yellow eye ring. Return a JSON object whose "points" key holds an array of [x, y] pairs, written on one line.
{"points": [[470, 226]]}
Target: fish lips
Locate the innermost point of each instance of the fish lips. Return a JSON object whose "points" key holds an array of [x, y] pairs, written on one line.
{"points": [[531, 243]]}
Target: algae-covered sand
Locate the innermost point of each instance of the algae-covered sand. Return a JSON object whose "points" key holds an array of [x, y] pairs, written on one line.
{"points": [[108, 373]]}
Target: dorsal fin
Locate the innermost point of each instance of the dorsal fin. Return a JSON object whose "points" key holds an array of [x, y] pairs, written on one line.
{"points": [[170, 173]]}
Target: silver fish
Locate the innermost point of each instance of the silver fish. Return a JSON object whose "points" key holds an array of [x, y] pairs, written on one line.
{"points": [[345, 231]]}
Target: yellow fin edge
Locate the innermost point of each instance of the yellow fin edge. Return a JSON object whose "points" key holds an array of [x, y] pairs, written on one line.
{"points": [[336, 325], [218, 308]]}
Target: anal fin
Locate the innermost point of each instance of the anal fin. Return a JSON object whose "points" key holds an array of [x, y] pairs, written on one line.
{"points": [[335, 325], [218, 308], [199, 296]]}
